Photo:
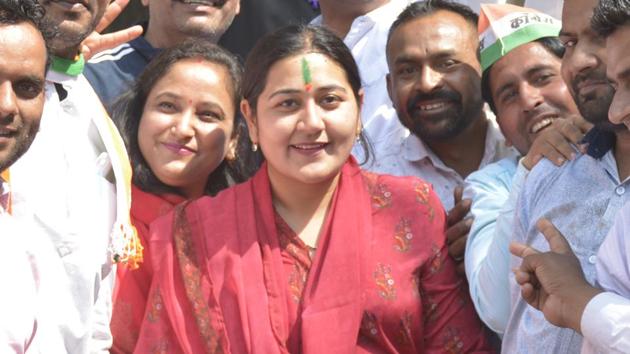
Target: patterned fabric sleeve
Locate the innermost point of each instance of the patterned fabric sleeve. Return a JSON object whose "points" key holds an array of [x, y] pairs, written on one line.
{"points": [[450, 322]]}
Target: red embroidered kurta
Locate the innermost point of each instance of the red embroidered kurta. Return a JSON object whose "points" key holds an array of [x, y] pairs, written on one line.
{"points": [[233, 277], [132, 286]]}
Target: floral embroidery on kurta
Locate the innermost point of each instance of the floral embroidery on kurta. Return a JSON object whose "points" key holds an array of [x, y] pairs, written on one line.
{"points": [[423, 193], [385, 282], [155, 306], [429, 307], [297, 281], [379, 193], [436, 260], [300, 258], [403, 235], [191, 275], [405, 338], [369, 327], [453, 343], [160, 347]]}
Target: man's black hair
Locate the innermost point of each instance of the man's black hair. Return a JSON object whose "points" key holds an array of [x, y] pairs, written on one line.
{"points": [[609, 15], [424, 8]]}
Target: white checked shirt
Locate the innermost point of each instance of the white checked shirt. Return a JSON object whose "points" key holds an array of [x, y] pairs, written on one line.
{"points": [[409, 156], [367, 39]]}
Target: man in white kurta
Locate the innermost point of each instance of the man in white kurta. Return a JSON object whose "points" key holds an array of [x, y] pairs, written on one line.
{"points": [[74, 183], [34, 299]]}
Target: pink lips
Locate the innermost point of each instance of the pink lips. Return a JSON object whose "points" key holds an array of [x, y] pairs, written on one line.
{"points": [[309, 148], [179, 149]]}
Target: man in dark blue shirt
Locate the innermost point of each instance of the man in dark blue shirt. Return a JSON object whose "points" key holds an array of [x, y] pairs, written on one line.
{"points": [[170, 22]]}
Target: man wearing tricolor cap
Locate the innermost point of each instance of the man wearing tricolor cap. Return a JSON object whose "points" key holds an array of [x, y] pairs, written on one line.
{"points": [[520, 57], [73, 184], [601, 313], [582, 197]]}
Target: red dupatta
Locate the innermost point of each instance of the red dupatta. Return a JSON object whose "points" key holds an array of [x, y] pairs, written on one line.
{"points": [[133, 285], [219, 273]]}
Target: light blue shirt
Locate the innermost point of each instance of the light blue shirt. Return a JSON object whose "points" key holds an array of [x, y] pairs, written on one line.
{"points": [[493, 191], [581, 199]]}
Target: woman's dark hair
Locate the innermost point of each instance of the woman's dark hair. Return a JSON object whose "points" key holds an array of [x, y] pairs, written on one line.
{"points": [[609, 15], [552, 44], [293, 40], [129, 108]]}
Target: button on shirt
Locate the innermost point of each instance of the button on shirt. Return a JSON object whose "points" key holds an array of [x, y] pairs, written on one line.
{"points": [[581, 199], [366, 39], [606, 319], [409, 156]]}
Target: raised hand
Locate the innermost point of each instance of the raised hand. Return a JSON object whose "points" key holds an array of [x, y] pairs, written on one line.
{"points": [[97, 42], [556, 143], [553, 282], [458, 228]]}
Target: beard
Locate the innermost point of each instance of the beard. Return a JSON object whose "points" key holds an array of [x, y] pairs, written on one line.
{"points": [[449, 123], [594, 106], [211, 28], [22, 143]]}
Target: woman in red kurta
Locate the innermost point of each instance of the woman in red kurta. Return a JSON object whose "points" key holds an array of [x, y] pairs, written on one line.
{"points": [[180, 126], [312, 255]]}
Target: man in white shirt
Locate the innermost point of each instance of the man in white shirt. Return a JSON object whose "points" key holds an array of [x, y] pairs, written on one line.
{"points": [[29, 268], [553, 282], [82, 205], [434, 82], [364, 26]]}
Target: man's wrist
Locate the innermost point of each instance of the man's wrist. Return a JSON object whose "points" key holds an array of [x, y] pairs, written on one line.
{"points": [[577, 301]]}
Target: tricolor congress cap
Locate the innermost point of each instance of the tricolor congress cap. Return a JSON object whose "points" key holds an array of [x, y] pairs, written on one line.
{"points": [[503, 27]]}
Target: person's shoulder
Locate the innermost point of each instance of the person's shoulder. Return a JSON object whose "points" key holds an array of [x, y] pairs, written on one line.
{"points": [[394, 181], [407, 189], [502, 170], [546, 173]]}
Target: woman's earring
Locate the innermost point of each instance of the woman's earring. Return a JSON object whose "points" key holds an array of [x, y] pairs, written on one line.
{"points": [[254, 147]]}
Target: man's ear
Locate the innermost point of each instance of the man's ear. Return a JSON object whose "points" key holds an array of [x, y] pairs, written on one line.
{"points": [[237, 10], [250, 118], [360, 104], [388, 80]]}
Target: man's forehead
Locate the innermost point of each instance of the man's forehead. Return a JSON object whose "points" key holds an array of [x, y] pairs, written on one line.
{"points": [[523, 64], [576, 16], [618, 51], [435, 32], [22, 53]]}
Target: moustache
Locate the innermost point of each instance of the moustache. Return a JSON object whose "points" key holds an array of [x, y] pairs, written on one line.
{"points": [[443, 95], [592, 76]]}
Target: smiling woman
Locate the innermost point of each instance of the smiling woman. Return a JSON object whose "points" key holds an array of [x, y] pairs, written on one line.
{"points": [[311, 240], [180, 125]]}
